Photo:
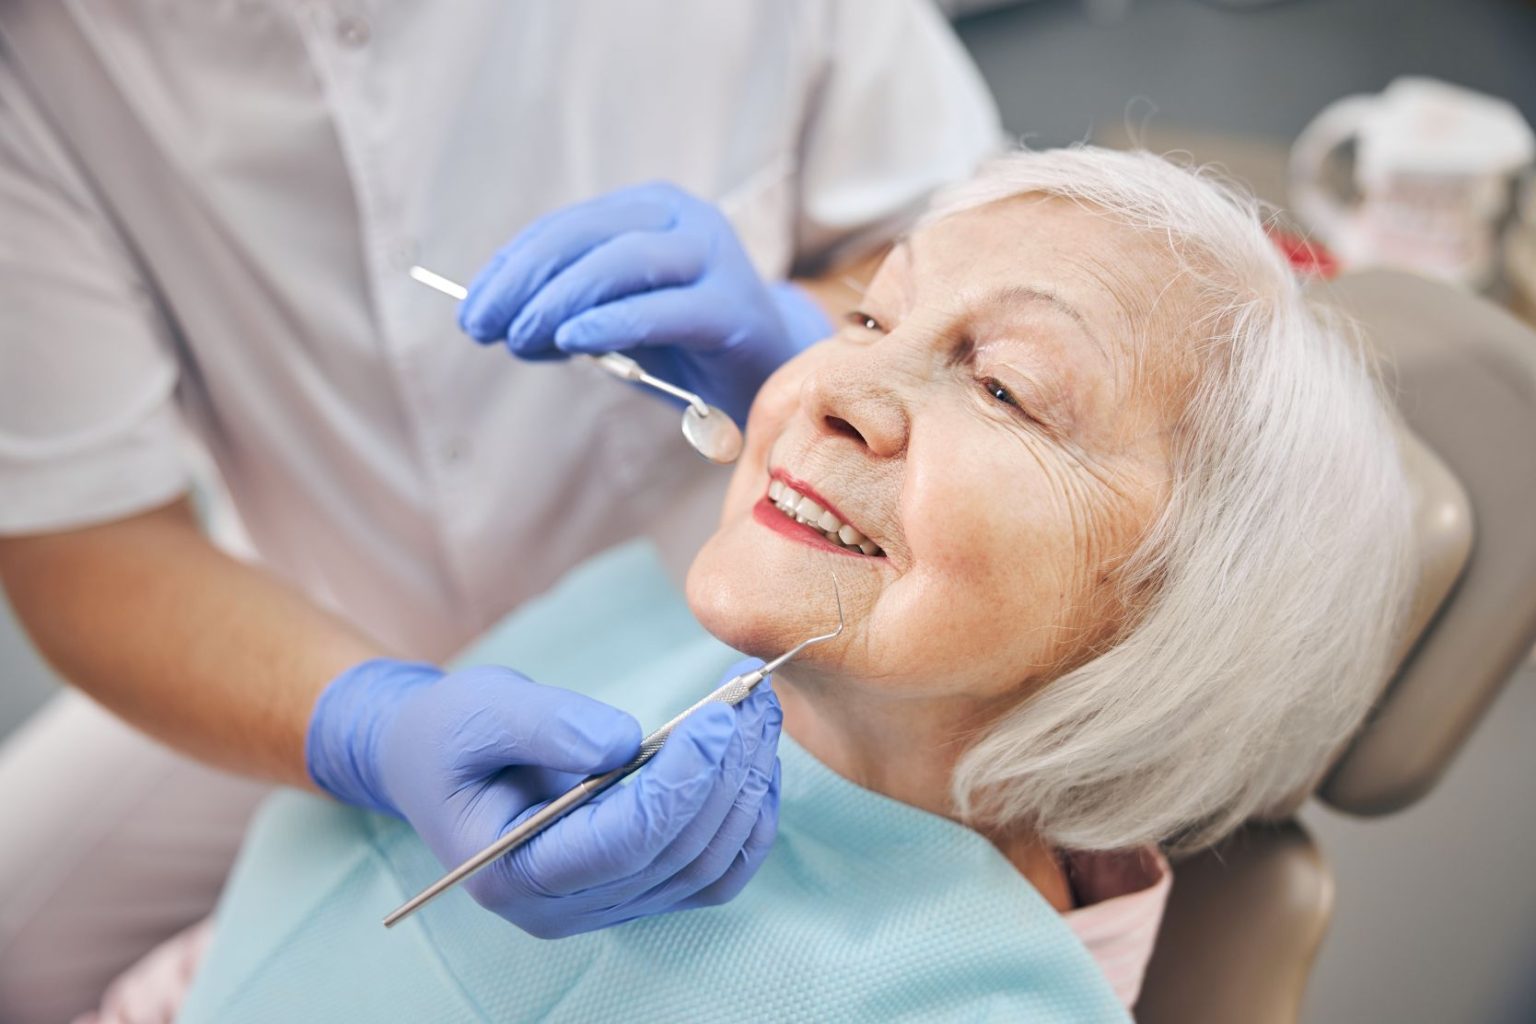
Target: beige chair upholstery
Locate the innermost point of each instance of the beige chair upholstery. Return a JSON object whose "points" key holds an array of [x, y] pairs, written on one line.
{"points": [[1466, 382], [1246, 920]]}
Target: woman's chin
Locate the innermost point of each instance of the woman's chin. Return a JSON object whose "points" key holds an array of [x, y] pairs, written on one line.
{"points": [[742, 601]]}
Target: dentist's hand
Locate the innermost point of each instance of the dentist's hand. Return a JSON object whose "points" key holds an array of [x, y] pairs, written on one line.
{"points": [[655, 272], [466, 755]]}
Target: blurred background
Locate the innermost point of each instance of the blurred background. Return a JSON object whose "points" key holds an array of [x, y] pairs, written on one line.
{"points": [[1436, 909]]}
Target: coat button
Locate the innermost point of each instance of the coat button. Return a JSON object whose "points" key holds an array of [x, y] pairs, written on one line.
{"points": [[352, 31]]}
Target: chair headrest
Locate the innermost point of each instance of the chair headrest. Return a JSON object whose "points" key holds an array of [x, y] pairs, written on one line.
{"points": [[1464, 374]]}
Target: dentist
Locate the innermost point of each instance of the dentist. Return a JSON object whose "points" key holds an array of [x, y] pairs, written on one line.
{"points": [[206, 215]]}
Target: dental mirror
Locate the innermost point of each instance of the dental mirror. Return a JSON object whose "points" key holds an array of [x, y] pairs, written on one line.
{"points": [[712, 433], [709, 430]]}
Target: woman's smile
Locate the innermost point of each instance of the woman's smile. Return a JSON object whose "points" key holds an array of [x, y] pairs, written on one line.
{"points": [[793, 508]]}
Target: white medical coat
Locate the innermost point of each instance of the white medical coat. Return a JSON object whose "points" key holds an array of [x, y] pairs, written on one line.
{"points": [[207, 208]]}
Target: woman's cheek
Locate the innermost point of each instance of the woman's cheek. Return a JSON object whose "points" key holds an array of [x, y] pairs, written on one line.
{"points": [[772, 409], [955, 507]]}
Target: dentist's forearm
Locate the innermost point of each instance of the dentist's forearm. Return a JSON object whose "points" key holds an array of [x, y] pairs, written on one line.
{"points": [[209, 655]]}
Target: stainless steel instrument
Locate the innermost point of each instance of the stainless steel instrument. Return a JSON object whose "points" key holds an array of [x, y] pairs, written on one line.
{"points": [[732, 692], [710, 431]]}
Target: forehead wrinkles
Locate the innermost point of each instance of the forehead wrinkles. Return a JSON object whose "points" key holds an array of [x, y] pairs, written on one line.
{"points": [[1151, 301]]}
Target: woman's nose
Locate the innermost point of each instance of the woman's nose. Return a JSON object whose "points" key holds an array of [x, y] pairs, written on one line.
{"points": [[847, 397]]}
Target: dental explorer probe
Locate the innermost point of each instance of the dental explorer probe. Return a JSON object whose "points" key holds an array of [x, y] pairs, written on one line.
{"points": [[732, 692], [711, 432]]}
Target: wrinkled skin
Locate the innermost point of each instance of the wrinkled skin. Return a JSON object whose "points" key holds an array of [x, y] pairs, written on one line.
{"points": [[997, 418]]}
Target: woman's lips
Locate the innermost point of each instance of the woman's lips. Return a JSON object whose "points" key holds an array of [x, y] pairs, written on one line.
{"points": [[799, 501], [810, 492], [767, 513]]}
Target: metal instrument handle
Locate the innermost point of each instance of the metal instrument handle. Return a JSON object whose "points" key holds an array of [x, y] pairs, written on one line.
{"points": [[732, 692]]}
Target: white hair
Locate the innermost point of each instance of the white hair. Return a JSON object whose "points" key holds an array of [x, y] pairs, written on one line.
{"points": [[1272, 586]]}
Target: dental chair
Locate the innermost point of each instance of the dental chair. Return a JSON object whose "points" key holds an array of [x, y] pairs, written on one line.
{"points": [[1246, 918]]}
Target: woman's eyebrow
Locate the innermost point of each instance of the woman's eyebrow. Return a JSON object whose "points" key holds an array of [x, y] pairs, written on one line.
{"points": [[1015, 293], [1024, 294]]}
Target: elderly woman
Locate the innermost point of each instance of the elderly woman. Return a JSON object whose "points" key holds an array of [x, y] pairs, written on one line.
{"points": [[1122, 537]]}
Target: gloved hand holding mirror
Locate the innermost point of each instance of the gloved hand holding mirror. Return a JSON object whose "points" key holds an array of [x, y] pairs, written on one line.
{"points": [[656, 273]]}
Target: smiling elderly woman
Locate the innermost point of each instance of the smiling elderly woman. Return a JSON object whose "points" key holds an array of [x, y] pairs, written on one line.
{"points": [[1123, 539]]}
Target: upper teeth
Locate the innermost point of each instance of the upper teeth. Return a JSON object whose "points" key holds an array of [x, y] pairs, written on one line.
{"points": [[805, 510]]}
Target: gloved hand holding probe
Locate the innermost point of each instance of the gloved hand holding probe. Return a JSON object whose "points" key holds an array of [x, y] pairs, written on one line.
{"points": [[464, 755], [652, 271]]}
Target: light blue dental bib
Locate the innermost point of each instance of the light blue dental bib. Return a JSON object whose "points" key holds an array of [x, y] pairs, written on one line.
{"points": [[866, 909]]}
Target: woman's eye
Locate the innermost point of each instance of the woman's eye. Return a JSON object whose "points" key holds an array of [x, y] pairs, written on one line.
{"points": [[999, 392], [859, 318]]}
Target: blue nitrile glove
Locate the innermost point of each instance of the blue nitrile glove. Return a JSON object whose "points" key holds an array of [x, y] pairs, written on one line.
{"points": [[463, 756], [655, 272]]}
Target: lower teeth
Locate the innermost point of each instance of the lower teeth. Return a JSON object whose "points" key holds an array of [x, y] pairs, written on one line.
{"points": [[831, 535]]}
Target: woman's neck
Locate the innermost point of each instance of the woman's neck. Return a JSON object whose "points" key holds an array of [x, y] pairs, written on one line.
{"points": [[906, 749]]}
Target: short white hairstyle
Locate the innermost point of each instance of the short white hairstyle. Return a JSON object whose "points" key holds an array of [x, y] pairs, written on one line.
{"points": [[1270, 591]]}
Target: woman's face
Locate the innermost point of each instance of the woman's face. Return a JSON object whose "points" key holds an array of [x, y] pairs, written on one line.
{"points": [[995, 422]]}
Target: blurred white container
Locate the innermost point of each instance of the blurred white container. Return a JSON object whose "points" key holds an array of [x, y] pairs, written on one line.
{"points": [[1433, 169], [1520, 258]]}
